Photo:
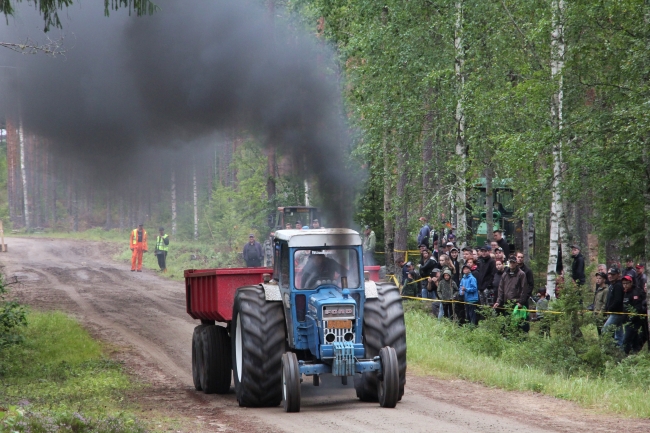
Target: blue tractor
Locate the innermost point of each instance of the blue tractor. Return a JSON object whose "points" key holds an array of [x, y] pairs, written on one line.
{"points": [[318, 315]]}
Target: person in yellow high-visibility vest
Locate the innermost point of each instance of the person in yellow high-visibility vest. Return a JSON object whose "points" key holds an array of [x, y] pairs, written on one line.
{"points": [[162, 246], [138, 244]]}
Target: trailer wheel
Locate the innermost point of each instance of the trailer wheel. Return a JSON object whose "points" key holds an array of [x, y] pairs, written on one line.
{"points": [[217, 360], [388, 383], [290, 383], [197, 356], [383, 325], [258, 342]]}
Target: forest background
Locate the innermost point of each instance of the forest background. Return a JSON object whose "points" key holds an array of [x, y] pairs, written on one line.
{"points": [[551, 95]]}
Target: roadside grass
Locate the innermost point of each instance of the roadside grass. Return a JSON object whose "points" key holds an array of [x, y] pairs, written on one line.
{"points": [[58, 379], [446, 350]]}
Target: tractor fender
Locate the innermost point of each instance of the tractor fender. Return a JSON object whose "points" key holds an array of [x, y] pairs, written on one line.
{"points": [[371, 289], [272, 292]]}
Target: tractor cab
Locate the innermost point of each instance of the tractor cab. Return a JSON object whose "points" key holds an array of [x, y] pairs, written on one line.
{"points": [[320, 276]]}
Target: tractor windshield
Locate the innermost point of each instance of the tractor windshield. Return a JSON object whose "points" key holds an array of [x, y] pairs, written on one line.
{"points": [[317, 267]]}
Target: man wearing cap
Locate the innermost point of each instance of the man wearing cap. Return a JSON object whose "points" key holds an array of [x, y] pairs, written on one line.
{"points": [[578, 266], [513, 286], [498, 237], [411, 287], [614, 304], [629, 268], [641, 279], [162, 246], [600, 299], [369, 243], [425, 232], [486, 270], [298, 225], [252, 253], [138, 245], [315, 224]]}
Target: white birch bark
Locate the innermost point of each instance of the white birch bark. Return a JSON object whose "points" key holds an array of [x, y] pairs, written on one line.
{"points": [[23, 174], [557, 228], [461, 146], [173, 202], [307, 196], [196, 205]]}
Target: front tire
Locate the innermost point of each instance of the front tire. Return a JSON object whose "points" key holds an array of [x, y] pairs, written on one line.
{"points": [[383, 325], [388, 385], [258, 342], [290, 383]]}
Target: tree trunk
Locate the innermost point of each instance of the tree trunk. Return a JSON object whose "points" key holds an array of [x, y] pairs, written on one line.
{"points": [[461, 145], [558, 221], [389, 244], [196, 204], [489, 204], [401, 220], [173, 202], [23, 174], [108, 210], [530, 237]]}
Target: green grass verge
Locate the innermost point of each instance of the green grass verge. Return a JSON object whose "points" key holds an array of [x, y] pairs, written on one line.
{"points": [[59, 376], [446, 350]]}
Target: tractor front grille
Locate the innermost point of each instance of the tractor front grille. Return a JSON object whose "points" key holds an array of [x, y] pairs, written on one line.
{"points": [[336, 335]]}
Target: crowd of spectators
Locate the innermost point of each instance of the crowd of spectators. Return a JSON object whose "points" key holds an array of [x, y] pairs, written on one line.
{"points": [[491, 275]]}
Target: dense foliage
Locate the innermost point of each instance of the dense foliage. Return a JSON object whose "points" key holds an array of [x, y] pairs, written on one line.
{"points": [[402, 91]]}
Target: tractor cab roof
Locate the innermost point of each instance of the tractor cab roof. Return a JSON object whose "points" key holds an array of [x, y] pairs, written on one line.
{"points": [[319, 237]]}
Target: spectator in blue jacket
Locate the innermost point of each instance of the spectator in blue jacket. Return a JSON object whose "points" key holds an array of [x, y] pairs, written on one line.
{"points": [[469, 288]]}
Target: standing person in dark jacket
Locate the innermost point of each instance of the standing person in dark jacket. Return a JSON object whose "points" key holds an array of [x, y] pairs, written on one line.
{"points": [[491, 297], [253, 252], [486, 271], [425, 233], [530, 279], [614, 304], [629, 268], [453, 255], [578, 266], [428, 265], [633, 303], [498, 238], [641, 279], [513, 286]]}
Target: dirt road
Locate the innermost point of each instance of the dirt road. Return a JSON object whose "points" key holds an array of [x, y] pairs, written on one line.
{"points": [[143, 316]]}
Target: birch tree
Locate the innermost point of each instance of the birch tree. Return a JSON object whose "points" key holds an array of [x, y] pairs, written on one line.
{"points": [[557, 231], [173, 198], [461, 146], [23, 174]]}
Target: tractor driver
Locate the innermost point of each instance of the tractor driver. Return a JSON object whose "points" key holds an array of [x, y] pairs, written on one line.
{"points": [[320, 267]]}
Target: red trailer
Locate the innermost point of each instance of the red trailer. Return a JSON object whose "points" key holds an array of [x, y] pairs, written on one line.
{"points": [[210, 293]]}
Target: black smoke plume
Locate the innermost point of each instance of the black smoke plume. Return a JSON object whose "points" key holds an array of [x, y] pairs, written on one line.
{"points": [[191, 70]]}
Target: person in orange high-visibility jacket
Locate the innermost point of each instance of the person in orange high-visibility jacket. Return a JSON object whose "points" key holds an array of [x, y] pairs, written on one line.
{"points": [[138, 245]]}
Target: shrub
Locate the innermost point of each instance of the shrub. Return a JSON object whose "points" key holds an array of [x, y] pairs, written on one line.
{"points": [[12, 317]]}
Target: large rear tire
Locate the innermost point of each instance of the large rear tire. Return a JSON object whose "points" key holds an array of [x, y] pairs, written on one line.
{"points": [[197, 356], [258, 342], [383, 325], [217, 360]]}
